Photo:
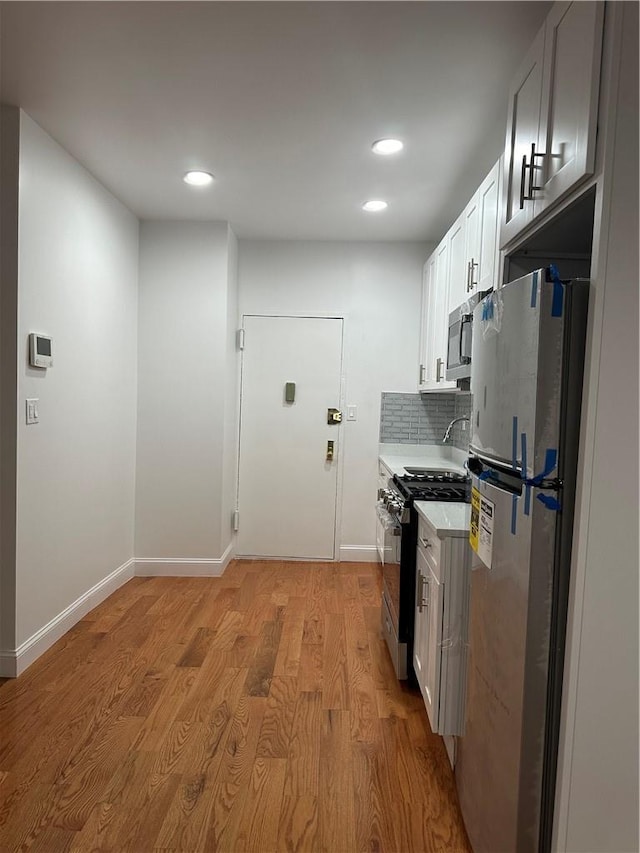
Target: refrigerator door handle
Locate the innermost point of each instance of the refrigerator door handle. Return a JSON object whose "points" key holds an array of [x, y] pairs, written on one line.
{"points": [[496, 462]]}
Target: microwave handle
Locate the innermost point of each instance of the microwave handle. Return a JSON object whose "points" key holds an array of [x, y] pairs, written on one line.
{"points": [[465, 318]]}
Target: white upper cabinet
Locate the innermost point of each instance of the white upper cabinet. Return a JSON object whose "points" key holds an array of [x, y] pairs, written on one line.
{"points": [[465, 261], [551, 126], [435, 321], [523, 123], [458, 266], [568, 117], [486, 269]]}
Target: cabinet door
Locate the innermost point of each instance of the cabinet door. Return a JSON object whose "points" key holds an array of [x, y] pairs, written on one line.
{"points": [[471, 246], [426, 321], [420, 635], [485, 274], [441, 318], [523, 124], [431, 695], [458, 269], [570, 86]]}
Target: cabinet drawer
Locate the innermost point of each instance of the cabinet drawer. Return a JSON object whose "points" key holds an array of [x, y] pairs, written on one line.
{"points": [[430, 546]]}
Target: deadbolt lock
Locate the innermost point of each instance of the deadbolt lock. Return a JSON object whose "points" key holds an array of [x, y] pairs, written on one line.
{"points": [[334, 416]]}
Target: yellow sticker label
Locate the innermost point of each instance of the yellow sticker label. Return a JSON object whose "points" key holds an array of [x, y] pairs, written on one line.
{"points": [[474, 524]]}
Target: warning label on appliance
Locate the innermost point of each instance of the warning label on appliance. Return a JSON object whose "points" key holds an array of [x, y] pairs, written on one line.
{"points": [[481, 526]]}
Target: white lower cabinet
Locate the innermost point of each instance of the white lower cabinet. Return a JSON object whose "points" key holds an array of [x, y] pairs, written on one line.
{"points": [[440, 630]]}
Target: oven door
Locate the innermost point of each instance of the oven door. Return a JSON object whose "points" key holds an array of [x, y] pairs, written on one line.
{"points": [[391, 570]]}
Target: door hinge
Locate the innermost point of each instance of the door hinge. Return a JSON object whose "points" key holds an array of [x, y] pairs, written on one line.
{"points": [[235, 520], [240, 339]]}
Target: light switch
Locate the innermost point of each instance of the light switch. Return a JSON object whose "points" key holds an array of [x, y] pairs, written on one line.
{"points": [[352, 413], [32, 410]]}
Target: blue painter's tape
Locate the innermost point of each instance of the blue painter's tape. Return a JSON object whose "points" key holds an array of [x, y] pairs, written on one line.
{"points": [[514, 441], [484, 476], [534, 289], [550, 502], [558, 292], [527, 488], [514, 513], [550, 462]]}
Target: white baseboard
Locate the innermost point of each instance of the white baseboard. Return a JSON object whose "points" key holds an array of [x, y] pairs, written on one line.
{"points": [[13, 663], [359, 554], [183, 568]]}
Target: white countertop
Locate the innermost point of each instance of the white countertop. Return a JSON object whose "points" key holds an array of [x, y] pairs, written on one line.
{"points": [[446, 518], [396, 457]]}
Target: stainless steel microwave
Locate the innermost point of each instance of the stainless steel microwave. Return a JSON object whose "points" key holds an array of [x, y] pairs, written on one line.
{"points": [[460, 333]]}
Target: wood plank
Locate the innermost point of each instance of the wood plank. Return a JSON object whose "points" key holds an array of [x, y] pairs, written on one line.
{"points": [[261, 669], [298, 826], [336, 811], [196, 651], [278, 718], [335, 689], [311, 673], [263, 802], [303, 766], [229, 791], [288, 658]]}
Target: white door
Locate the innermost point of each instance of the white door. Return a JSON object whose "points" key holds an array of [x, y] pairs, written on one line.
{"points": [[287, 486]]}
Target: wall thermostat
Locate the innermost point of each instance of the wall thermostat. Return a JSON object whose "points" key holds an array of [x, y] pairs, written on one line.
{"points": [[39, 350]]}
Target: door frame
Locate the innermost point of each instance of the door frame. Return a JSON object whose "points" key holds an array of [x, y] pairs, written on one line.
{"points": [[337, 521]]}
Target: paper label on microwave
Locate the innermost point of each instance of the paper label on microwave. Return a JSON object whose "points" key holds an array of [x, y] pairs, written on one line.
{"points": [[481, 526]]}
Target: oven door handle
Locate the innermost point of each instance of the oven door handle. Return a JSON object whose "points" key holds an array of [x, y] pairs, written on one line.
{"points": [[465, 318]]}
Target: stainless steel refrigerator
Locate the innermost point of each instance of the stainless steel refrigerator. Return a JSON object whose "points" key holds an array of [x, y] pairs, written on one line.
{"points": [[527, 368]]}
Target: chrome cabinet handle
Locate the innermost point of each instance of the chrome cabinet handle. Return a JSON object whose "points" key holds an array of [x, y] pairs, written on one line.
{"points": [[422, 585], [473, 283], [425, 543], [438, 366], [421, 374], [522, 180], [532, 167]]}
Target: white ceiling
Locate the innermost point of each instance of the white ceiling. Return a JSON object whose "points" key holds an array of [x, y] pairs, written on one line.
{"points": [[281, 101]]}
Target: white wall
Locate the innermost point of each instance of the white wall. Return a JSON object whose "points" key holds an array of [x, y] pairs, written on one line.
{"points": [[186, 289], [376, 287], [78, 269], [598, 765]]}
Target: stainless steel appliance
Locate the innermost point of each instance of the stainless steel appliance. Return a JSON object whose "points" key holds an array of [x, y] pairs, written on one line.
{"points": [[528, 354], [460, 338], [400, 521]]}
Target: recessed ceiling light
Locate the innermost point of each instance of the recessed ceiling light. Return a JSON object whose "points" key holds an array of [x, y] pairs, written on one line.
{"points": [[387, 146], [198, 179], [374, 206]]}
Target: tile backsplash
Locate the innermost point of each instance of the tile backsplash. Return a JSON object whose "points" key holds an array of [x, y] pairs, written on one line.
{"points": [[423, 418]]}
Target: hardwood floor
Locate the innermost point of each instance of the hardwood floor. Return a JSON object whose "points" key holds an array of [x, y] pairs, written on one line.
{"points": [[253, 712]]}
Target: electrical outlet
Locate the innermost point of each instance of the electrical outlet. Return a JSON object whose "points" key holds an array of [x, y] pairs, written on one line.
{"points": [[32, 410]]}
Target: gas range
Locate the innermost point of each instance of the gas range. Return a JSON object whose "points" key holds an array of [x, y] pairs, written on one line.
{"points": [[404, 489], [433, 486]]}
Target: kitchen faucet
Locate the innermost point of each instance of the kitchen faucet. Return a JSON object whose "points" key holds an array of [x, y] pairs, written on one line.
{"points": [[449, 428]]}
